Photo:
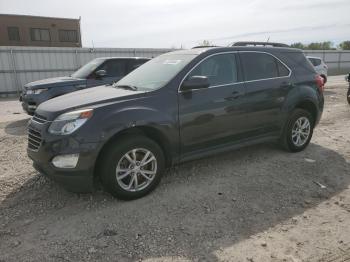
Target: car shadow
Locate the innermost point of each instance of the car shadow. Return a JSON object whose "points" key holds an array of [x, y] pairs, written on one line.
{"points": [[17, 128], [329, 92], [199, 208]]}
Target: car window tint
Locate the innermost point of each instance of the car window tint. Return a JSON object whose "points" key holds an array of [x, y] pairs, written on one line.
{"points": [[219, 69], [312, 61], [282, 69], [318, 62], [259, 66], [135, 64], [114, 68], [315, 61]]}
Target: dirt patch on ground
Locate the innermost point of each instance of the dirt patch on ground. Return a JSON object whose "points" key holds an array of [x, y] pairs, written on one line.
{"points": [[255, 204]]}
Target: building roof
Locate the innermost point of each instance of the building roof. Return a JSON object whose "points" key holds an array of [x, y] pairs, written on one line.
{"points": [[46, 17]]}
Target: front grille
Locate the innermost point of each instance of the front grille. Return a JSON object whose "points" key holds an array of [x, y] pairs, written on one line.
{"points": [[39, 119], [34, 139]]}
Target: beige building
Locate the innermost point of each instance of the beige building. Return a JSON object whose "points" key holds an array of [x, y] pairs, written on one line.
{"points": [[24, 30]]}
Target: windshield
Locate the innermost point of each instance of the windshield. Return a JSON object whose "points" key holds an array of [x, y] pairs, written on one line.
{"points": [[157, 72], [87, 69]]}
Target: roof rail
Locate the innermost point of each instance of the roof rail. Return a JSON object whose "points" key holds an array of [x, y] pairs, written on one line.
{"points": [[204, 46], [252, 43]]}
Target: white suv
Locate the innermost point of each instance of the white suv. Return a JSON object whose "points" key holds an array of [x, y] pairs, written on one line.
{"points": [[320, 67]]}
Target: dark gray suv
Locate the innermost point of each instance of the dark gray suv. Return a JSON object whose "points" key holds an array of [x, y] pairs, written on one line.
{"points": [[99, 71], [177, 107]]}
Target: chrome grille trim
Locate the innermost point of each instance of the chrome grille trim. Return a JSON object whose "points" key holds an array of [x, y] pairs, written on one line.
{"points": [[39, 119], [34, 139]]}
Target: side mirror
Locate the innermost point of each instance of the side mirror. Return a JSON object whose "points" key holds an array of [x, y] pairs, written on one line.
{"points": [[101, 73], [195, 82]]}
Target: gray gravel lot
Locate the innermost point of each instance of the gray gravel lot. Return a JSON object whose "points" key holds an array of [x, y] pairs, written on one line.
{"points": [[255, 204]]}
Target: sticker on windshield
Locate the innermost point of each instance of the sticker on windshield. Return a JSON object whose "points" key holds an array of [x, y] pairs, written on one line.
{"points": [[171, 62]]}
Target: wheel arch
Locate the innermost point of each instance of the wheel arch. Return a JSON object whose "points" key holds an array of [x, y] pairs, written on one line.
{"points": [[150, 132], [310, 107]]}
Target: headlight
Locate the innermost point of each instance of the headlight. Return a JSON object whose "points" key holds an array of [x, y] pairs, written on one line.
{"points": [[67, 123], [36, 91]]}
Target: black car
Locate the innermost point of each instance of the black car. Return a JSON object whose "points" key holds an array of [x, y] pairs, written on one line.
{"points": [[177, 107], [99, 71]]}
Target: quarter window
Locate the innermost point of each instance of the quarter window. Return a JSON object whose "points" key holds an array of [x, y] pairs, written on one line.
{"points": [[39, 34], [262, 66], [219, 69], [13, 33]]}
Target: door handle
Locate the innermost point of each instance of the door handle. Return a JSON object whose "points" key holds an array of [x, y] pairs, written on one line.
{"points": [[286, 85], [235, 95]]}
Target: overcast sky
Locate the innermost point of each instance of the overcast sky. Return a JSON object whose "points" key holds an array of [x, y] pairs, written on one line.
{"points": [[172, 23]]}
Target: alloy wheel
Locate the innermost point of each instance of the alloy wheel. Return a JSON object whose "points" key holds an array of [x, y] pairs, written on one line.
{"points": [[136, 169], [301, 131]]}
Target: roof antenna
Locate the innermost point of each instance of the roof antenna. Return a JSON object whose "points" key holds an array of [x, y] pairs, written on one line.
{"points": [[268, 39], [93, 47]]}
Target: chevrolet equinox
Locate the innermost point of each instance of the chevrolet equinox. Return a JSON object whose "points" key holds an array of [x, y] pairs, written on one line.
{"points": [[176, 107]]}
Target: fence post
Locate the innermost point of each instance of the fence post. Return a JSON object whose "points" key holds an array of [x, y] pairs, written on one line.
{"points": [[77, 62], [339, 62], [14, 70]]}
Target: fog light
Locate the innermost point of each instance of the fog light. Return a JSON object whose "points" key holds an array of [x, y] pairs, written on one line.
{"points": [[66, 161]]}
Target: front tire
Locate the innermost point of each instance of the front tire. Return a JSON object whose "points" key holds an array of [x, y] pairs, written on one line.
{"points": [[298, 131], [132, 167]]}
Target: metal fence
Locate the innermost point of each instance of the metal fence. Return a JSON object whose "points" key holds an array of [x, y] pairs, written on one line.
{"points": [[21, 65], [338, 62]]}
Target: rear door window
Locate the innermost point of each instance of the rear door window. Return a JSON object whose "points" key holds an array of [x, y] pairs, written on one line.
{"points": [[258, 66], [219, 69]]}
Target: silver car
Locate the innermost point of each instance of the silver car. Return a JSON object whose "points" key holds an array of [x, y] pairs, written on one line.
{"points": [[320, 67]]}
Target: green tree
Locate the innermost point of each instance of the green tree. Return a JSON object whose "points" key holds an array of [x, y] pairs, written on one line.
{"points": [[298, 45], [327, 45], [345, 45], [205, 43]]}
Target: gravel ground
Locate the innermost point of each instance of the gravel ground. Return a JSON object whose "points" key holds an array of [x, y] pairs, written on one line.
{"points": [[254, 204]]}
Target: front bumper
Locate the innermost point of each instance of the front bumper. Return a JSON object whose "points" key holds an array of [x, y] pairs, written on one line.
{"points": [[79, 179], [72, 181], [32, 101]]}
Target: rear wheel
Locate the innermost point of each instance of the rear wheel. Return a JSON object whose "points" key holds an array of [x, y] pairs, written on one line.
{"points": [[132, 167], [298, 131], [348, 96]]}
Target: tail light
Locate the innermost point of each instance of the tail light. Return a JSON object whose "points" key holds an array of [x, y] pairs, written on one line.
{"points": [[320, 83]]}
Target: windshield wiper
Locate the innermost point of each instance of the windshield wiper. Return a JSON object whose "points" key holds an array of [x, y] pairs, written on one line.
{"points": [[134, 88]]}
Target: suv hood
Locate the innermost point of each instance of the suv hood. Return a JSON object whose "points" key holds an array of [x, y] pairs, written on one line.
{"points": [[54, 82], [84, 98]]}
